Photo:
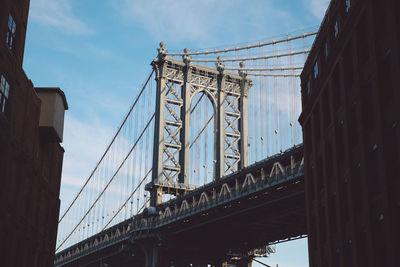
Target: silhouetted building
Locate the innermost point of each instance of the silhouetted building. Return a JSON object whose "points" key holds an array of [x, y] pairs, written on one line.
{"points": [[351, 127], [31, 128]]}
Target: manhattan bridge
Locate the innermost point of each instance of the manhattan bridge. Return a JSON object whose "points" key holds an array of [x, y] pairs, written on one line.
{"points": [[205, 169]]}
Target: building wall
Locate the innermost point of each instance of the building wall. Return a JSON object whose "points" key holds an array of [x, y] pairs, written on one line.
{"points": [[30, 165], [351, 129]]}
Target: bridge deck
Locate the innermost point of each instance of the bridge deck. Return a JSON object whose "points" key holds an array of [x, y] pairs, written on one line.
{"points": [[260, 204]]}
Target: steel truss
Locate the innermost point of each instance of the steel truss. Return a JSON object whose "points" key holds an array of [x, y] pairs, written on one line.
{"points": [[178, 81]]}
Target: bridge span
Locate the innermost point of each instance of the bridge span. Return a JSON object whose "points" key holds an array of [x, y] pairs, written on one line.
{"points": [[257, 206]]}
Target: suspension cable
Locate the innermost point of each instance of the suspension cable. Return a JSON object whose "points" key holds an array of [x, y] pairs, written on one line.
{"points": [[252, 58], [202, 130], [262, 263], [304, 35], [293, 74], [107, 149], [131, 195], [109, 182], [197, 103], [264, 69], [274, 75], [143, 206]]}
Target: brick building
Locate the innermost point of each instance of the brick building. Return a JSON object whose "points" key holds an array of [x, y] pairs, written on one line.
{"points": [[351, 128], [31, 129]]}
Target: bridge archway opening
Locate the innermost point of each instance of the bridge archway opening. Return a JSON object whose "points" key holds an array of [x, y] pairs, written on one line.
{"points": [[202, 140]]}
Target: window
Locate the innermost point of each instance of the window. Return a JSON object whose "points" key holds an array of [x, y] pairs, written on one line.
{"points": [[315, 68], [308, 87], [348, 4], [11, 32], [336, 29], [326, 51], [4, 92]]}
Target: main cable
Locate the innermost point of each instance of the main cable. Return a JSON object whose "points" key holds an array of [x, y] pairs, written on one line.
{"points": [[245, 47], [252, 58]]}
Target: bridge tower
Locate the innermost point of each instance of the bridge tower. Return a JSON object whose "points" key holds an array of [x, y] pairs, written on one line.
{"points": [[178, 81]]}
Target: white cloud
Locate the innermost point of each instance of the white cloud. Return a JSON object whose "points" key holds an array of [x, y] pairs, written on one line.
{"points": [[318, 7], [169, 19], [200, 21], [57, 14], [84, 143]]}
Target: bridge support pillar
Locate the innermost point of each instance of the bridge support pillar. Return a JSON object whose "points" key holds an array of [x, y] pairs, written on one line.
{"points": [[245, 264], [218, 264], [153, 256], [242, 263]]}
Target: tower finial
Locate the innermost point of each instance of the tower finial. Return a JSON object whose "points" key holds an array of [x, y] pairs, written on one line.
{"points": [[186, 58], [242, 71], [219, 64], [162, 52]]}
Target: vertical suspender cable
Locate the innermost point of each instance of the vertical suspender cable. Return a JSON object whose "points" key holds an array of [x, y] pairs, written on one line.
{"points": [[262, 118], [260, 139], [129, 171], [198, 146], [267, 114], [191, 149], [139, 149], [147, 148], [256, 119], [120, 181], [102, 177], [98, 212], [204, 145], [289, 100], [205, 166], [134, 160], [137, 158]]}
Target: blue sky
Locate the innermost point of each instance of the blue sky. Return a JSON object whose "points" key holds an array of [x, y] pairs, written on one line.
{"points": [[99, 53]]}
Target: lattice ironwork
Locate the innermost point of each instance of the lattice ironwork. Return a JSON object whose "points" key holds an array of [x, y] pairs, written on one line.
{"points": [[232, 131], [172, 127], [178, 81]]}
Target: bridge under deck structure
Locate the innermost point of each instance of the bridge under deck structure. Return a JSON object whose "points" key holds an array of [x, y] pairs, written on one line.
{"points": [[227, 219]]}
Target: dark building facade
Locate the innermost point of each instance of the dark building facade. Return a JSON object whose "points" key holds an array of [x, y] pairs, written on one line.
{"points": [[351, 128], [31, 127]]}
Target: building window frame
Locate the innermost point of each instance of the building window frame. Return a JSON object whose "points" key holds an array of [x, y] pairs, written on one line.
{"points": [[315, 68], [326, 50], [348, 5], [336, 29], [4, 93], [11, 32]]}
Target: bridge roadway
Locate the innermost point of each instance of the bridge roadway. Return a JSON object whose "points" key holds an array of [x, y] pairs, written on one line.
{"points": [[259, 205]]}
